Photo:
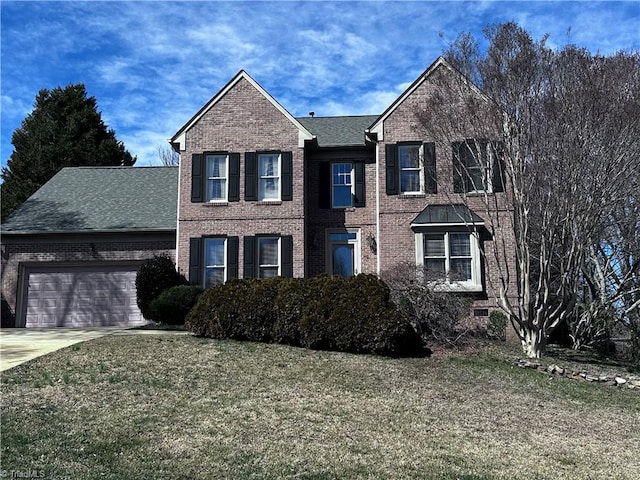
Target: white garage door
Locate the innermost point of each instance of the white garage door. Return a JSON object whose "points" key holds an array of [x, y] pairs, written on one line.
{"points": [[72, 296]]}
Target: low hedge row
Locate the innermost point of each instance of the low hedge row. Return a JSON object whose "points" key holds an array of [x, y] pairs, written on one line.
{"points": [[326, 312]]}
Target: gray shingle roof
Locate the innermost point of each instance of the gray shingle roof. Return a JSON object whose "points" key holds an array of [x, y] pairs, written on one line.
{"points": [[85, 199], [338, 131]]}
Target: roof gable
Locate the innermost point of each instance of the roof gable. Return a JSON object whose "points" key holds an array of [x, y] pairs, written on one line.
{"points": [[179, 139], [377, 127], [100, 199]]}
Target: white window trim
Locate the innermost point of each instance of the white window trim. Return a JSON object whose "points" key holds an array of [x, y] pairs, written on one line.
{"points": [[279, 177], [260, 265], [224, 258], [420, 169], [473, 285], [357, 268], [226, 178], [353, 185]]}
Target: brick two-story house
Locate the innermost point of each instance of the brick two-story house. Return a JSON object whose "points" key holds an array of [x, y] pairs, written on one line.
{"points": [[262, 193]]}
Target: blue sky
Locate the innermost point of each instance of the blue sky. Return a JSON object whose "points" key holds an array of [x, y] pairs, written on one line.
{"points": [[152, 65]]}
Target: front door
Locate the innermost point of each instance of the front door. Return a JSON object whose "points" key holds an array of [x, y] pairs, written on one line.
{"points": [[343, 252]]}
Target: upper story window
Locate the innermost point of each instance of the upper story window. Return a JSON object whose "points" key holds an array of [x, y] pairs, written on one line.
{"points": [[477, 166], [269, 176], [215, 177], [411, 165], [410, 168], [342, 185], [217, 168]]}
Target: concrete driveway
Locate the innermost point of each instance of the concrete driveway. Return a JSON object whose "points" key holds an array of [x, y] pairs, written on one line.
{"points": [[19, 345]]}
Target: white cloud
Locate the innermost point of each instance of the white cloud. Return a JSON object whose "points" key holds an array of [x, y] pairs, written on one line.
{"points": [[152, 65]]}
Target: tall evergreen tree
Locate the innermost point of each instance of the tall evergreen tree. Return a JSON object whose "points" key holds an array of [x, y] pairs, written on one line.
{"points": [[64, 129]]}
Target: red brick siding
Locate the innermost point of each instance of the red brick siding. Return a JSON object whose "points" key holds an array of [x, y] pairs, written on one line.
{"points": [[397, 242], [319, 220], [242, 121]]}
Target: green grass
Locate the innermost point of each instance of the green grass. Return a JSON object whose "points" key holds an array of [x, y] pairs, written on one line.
{"points": [[174, 407]]}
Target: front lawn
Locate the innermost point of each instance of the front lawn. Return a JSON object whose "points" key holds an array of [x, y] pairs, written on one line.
{"points": [[176, 407]]}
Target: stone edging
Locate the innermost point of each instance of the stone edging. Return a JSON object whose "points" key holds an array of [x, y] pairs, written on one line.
{"points": [[628, 381]]}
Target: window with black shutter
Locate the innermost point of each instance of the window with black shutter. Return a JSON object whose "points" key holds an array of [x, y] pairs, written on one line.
{"points": [[411, 168], [215, 177], [268, 176], [478, 166], [267, 256], [212, 260]]}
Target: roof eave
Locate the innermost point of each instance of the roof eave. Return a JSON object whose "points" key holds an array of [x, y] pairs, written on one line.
{"points": [[87, 231]]}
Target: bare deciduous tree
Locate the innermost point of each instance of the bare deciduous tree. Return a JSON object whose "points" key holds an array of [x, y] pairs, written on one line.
{"points": [[168, 157], [564, 126]]}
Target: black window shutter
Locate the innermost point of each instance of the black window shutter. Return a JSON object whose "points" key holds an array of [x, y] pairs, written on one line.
{"points": [[232, 257], [360, 196], [430, 179], [324, 177], [197, 178], [497, 169], [286, 262], [234, 177], [249, 257], [458, 168], [195, 261], [391, 154], [287, 176], [250, 176]]}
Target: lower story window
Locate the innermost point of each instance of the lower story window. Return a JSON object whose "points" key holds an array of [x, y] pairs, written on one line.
{"points": [[450, 257], [268, 257], [215, 271]]}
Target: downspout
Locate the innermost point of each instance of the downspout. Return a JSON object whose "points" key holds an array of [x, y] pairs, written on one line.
{"points": [[378, 243], [178, 215]]}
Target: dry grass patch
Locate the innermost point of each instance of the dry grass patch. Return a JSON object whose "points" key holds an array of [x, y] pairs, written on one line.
{"points": [[121, 407]]}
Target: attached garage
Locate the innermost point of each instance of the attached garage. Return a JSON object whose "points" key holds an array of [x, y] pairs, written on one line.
{"points": [[81, 296], [70, 253]]}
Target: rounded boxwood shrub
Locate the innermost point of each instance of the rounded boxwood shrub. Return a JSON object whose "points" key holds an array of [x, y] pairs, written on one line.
{"points": [[154, 276], [172, 305]]}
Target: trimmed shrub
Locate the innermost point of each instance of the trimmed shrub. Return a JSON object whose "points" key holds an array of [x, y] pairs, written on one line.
{"points": [[497, 326], [241, 309], [326, 312], [356, 315], [172, 305], [290, 303], [154, 276], [7, 316]]}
